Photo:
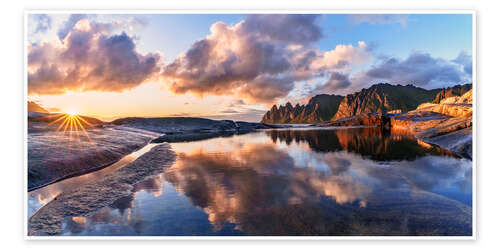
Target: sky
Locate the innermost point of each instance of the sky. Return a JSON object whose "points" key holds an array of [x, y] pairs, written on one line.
{"points": [[234, 66]]}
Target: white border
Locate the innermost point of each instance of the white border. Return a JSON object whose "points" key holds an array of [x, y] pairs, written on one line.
{"points": [[255, 11]]}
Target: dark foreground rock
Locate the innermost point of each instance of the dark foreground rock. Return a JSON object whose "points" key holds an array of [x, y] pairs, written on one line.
{"points": [[176, 124], [92, 196], [56, 155]]}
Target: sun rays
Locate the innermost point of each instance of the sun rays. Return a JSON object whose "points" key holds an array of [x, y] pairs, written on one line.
{"points": [[73, 124]]}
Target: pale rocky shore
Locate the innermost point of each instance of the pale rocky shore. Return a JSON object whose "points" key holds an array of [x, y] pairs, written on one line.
{"points": [[94, 195], [447, 124]]}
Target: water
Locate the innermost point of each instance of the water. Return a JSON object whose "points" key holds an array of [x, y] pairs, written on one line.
{"points": [[359, 181], [41, 196]]}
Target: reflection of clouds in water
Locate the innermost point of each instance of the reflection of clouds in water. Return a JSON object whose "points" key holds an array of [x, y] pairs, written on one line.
{"points": [[252, 179], [221, 144], [246, 179], [424, 173], [110, 219]]}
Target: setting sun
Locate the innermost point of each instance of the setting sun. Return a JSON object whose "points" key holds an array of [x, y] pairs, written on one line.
{"points": [[71, 111]]}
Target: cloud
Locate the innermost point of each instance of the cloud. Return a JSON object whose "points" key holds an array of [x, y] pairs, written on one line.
{"points": [[336, 82], [89, 58], [465, 59], [237, 110], [418, 68], [41, 22], [379, 19], [296, 29], [258, 59], [69, 24]]}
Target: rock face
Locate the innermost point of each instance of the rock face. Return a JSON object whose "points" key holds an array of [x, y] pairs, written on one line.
{"points": [[456, 90], [455, 106], [447, 124], [34, 107], [320, 108], [383, 98]]}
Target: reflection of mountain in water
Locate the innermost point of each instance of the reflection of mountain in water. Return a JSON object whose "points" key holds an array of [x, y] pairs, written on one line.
{"points": [[375, 143], [265, 191]]}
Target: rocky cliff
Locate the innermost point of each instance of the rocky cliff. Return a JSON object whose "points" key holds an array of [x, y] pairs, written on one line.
{"points": [[320, 108], [383, 98], [447, 124], [456, 90]]}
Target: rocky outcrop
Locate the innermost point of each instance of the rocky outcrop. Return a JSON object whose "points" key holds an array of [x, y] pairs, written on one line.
{"points": [[320, 108], [447, 124], [456, 90], [176, 124], [455, 106], [383, 98]]}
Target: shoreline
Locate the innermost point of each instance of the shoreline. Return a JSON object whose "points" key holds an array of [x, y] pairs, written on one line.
{"points": [[96, 194]]}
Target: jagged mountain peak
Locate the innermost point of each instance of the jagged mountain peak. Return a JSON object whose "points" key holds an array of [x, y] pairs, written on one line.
{"points": [[380, 97], [320, 108]]}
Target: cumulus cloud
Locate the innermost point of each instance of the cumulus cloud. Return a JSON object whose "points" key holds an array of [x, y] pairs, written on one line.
{"points": [[379, 19], [89, 58], [258, 59], [418, 68]]}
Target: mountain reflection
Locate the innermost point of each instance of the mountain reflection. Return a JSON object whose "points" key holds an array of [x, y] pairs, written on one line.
{"points": [[376, 143]]}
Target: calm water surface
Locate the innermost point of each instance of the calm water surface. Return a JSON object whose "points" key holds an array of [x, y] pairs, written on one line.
{"points": [[360, 181]]}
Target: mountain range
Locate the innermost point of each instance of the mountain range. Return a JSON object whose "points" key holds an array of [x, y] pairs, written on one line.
{"points": [[381, 98], [319, 109]]}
